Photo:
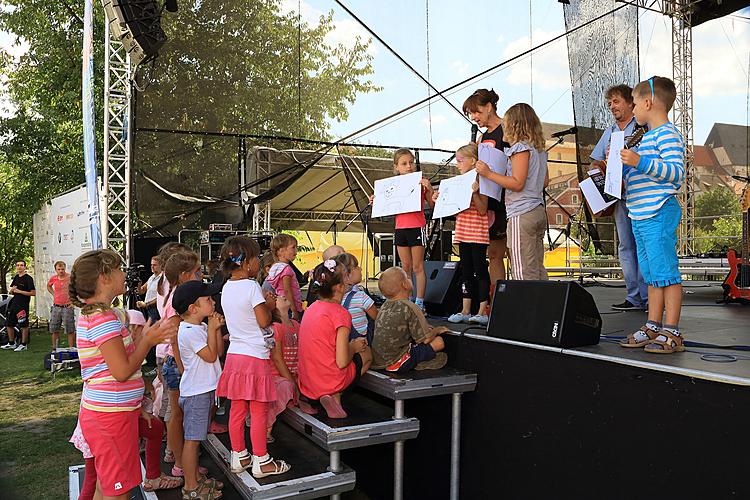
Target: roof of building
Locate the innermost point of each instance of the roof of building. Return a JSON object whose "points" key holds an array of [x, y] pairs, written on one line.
{"points": [[734, 140]]}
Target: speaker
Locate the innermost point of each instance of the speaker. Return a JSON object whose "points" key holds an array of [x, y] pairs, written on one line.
{"points": [[137, 24], [553, 313], [443, 293]]}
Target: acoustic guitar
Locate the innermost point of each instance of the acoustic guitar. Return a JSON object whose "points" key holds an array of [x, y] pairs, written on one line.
{"points": [[737, 283]]}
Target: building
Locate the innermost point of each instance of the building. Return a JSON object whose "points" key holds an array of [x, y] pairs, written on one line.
{"points": [[564, 199]]}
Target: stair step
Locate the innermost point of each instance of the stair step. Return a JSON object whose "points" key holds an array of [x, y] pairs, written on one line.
{"points": [[368, 423], [309, 476], [418, 383]]}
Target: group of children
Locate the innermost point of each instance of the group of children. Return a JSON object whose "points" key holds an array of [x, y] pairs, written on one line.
{"points": [[273, 359], [281, 355]]}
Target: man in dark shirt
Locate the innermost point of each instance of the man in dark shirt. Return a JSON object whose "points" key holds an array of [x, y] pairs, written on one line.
{"points": [[22, 289]]}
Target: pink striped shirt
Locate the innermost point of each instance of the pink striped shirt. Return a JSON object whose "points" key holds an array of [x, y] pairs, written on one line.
{"points": [[101, 392]]}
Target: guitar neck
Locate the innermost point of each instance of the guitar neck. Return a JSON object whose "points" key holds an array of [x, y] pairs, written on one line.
{"points": [[745, 235]]}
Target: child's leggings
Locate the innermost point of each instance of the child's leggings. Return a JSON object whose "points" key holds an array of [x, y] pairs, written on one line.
{"points": [[258, 417], [153, 437]]}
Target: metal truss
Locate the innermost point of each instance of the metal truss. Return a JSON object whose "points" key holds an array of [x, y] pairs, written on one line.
{"points": [[117, 146], [303, 215], [260, 168], [680, 12]]}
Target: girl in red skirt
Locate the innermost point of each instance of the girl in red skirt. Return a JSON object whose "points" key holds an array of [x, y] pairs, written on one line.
{"points": [[247, 380]]}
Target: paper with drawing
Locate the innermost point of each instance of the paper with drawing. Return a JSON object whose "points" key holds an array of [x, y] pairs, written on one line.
{"points": [[399, 194], [498, 163], [455, 194], [613, 178]]}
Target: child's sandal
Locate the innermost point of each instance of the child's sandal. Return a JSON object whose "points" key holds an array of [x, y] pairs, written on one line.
{"points": [[163, 482], [673, 343], [280, 466], [630, 340], [202, 492]]}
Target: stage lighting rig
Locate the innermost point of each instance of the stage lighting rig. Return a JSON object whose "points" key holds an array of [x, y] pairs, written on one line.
{"points": [[137, 24]]}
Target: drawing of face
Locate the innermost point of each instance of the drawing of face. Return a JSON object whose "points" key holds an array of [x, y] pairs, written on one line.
{"points": [[390, 191]]}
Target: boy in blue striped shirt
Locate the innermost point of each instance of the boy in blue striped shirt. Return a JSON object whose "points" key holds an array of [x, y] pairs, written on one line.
{"points": [[653, 176]]}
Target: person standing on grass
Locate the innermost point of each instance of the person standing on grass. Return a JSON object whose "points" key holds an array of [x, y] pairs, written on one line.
{"points": [[22, 289], [61, 313]]}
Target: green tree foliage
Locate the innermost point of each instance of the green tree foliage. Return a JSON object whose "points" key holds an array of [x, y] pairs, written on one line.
{"points": [[719, 201]]}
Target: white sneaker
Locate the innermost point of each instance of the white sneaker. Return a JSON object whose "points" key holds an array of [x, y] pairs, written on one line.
{"points": [[458, 318], [482, 319], [8, 346], [21, 347], [236, 461]]}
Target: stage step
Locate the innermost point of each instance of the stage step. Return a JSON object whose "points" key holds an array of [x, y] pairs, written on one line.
{"points": [[418, 383], [310, 476], [369, 423]]}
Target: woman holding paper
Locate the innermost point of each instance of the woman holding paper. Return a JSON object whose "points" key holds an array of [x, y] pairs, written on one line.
{"points": [[472, 236], [481, 108]]}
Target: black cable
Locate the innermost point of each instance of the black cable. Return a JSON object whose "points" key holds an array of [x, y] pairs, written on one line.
{"points": [[398, 56]]}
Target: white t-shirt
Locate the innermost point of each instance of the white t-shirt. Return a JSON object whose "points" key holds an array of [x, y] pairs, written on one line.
{"points": [[238, 299], [199, 376], [151, 285]]}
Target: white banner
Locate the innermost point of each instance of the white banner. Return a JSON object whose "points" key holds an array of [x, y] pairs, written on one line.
{"points": [[61, 232]]}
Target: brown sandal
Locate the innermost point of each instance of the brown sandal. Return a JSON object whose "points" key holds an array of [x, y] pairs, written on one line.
{"points": [[163, 482], [630, 341], [674, 343], [207, 490]]}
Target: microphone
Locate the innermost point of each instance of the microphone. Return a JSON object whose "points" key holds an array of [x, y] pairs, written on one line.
{"points": [[740, 178], [571, 130], [474, 131]]}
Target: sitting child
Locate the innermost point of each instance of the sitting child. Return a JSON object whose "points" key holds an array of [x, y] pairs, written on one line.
{"points": [[403, 339], [284, 357], [360, 305], [199, 349], [328, 361]]}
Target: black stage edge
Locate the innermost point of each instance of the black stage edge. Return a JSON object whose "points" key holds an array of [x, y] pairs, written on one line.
{"points": [[594, 422]]}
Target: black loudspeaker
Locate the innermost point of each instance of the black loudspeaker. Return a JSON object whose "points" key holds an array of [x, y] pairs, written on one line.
{"points": [[553, 313], [443, 293], [137, 24]]}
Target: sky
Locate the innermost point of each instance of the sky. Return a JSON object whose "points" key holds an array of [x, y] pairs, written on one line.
{"points": [[465, 41]]}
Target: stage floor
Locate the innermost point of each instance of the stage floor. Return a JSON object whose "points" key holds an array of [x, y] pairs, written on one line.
{"points": [[710, 330]]}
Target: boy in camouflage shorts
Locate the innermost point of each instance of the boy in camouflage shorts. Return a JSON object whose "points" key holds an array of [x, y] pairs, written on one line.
{"points": [[403, 338]]}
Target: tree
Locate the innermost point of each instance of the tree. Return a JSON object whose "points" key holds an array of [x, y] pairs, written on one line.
{"points": [[228, 66], [719, 201]]}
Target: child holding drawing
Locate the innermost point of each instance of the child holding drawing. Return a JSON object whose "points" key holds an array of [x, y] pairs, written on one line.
{"points": [[472, 236], [410, 237], [524, 183]]}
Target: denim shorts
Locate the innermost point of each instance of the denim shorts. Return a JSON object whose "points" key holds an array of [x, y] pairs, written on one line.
{"points": [[171, 373], [196, 415], [656, 243]]}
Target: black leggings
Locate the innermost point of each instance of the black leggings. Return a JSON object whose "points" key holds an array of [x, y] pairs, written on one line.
{"points": [[474, 273]]}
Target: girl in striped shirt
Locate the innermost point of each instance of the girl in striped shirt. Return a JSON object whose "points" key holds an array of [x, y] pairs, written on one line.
{"points": [[472, 235], [111, 371]]}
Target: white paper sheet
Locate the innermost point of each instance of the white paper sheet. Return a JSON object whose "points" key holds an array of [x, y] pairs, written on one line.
{"points": [[593, 197], [498, 163], [399, 194], [455, 194], [613, 177]]}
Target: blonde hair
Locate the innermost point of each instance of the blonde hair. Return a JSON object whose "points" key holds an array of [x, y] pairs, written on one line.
{"points": [[521, 124], [178, 263], [397, 156], [266, 260], [470, 150], [281, 240], [84, 277]]}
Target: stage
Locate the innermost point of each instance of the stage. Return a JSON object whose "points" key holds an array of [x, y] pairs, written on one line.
{"points": [[591, 422]]}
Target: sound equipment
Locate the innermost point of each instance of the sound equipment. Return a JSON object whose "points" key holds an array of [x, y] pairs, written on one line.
{"points": [[443, 293], [553, 313], [737, 283], [137, 24]]}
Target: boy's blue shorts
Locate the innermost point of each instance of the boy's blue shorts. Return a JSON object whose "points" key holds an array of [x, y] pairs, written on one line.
{"points": [[171, 373], [656, 243]]}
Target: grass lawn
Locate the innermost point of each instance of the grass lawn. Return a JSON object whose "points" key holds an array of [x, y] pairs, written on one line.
{"points": [[37, 416]]}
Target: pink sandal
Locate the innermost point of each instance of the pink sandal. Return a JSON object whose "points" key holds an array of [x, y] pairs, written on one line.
{"points": [[332, 407], [178, 472]]}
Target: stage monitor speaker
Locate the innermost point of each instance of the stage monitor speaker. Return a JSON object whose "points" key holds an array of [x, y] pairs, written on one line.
{"points": [[137, 24], [443, 293], [553, 313]]}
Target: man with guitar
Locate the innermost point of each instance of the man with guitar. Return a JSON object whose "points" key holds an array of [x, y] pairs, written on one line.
{"points": [[620, 103]]}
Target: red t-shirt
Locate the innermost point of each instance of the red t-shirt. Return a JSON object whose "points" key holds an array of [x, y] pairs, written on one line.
{"points": [[60, 287], [412, 219], [319, 374], [287, 338]]}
